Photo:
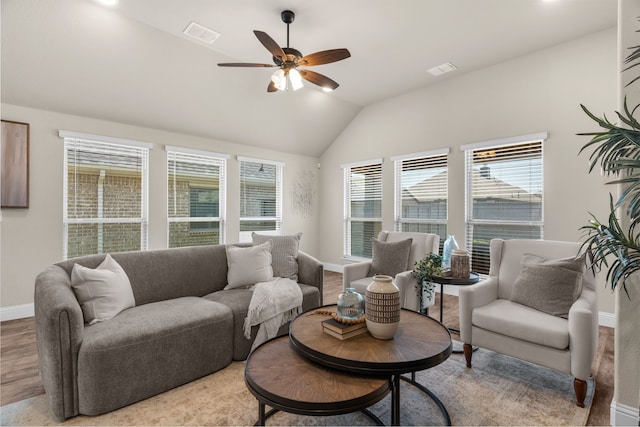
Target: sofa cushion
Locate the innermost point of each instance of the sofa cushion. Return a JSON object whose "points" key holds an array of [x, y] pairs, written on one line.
{"points": [[151, 348], [518, 321], [389, 258], [102, 292], [551, 286], [284, 253], [238, 301], [248, 266]]}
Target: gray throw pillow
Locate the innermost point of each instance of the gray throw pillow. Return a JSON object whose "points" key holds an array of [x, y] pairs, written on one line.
{"points": [[248, 266], [550, 286], [390, 258], [284, 253], [102, 292]]}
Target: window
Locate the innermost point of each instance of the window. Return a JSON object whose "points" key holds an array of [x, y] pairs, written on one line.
{"points": [[260, 197], [362, 207], [421, 193], [196, 197], [105, 194], [504, 194]]}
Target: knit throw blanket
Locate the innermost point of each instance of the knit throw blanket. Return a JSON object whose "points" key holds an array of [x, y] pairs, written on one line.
{"points": [[272, 305]]}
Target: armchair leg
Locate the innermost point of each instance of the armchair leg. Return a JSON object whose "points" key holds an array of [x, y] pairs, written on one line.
{"points": [[468, 352], [580, 387]]}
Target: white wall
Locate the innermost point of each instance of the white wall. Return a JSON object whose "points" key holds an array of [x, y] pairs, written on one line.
{"points": [[32, 238], [533, 93]]}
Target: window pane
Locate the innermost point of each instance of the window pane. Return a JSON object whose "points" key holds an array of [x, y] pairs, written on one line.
{"points": [[482, 235], [196, 193], [366, 191], [260, 197], [257, 225], [361, 234], [104, 197], [99, 238], [363, 208], [505, 184], [422, 195], [193, 233]]}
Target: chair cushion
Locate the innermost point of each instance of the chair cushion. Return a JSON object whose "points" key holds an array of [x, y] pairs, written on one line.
{"points": [[248, 266], [360, 285], [551, 286], [525, 323], [389, 258], [284, 253]]}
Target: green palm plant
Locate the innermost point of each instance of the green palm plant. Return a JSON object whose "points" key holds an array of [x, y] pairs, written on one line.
{"points": [[616, 149]]}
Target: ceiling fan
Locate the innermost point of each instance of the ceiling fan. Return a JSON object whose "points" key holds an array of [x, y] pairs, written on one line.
{"points": [[288, 59]]}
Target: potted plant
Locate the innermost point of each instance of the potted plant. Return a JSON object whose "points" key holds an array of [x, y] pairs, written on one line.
{"points": [[616, 149], [424, 270]]}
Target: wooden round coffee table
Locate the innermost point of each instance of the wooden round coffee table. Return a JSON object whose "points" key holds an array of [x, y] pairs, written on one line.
{"points": [[420, 343], [280, 377]]}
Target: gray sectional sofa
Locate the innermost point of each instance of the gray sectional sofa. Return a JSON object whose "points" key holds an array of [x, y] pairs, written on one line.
{"points": [[184, 326]]}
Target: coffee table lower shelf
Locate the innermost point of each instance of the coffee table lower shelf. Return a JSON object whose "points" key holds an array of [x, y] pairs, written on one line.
{"points": [[280, 377]]}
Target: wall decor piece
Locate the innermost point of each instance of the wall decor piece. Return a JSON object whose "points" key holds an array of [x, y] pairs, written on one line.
{"points": [[303, 193], [14, 155]]}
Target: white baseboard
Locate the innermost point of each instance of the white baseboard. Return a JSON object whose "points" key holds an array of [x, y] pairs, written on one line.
{"points": [[607, 319], [336, 268], [623, 415], [16, 312]]}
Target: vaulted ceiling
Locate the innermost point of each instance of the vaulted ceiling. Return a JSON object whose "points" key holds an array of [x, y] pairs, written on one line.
{"points": [[132, 63]]}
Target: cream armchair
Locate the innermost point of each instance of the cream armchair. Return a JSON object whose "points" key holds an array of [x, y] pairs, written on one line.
{"points": [[489, 319], [357, 275]]}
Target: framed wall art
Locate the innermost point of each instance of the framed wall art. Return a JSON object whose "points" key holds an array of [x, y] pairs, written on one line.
{"points": [[14, 166]]}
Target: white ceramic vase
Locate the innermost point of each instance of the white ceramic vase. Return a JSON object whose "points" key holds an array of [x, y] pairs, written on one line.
{"points": [[382, 307]]}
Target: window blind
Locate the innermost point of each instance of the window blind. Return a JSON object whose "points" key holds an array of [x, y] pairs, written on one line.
{"points": [[260, 198], [105, 197], [504, 196], [421, 194], [363, 208], [196, 198]]}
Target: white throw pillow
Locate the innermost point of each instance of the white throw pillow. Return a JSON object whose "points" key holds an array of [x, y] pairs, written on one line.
{"points": [[248, 266], [102, 292]]}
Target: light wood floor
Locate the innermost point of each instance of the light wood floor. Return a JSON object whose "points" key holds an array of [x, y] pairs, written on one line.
{"points": [[19, 377]]}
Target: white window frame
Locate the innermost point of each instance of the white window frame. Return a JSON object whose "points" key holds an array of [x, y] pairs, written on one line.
{"points": [[206, 158], [399, 220], [245, 236], [469, 150], [141, 148], [348, 218]]}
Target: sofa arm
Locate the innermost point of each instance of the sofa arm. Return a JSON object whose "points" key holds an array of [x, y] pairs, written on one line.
{"points": [[311, 272], [583, 333], [59, 330], [471, 297]]}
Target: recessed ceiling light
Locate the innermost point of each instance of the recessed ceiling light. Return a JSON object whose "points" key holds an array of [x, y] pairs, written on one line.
{"points": [[201, 33], [108, 2], [442, 68]]}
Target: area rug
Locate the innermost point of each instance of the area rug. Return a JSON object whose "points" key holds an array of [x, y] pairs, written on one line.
{"points": [[499, 390]]}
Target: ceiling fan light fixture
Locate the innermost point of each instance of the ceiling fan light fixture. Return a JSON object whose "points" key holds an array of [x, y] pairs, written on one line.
{"points": [[295, 78], [279, 79]]}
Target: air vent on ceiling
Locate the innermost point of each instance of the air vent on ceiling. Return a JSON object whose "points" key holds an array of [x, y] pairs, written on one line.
{"points": [[442, 68], [201, 33]]}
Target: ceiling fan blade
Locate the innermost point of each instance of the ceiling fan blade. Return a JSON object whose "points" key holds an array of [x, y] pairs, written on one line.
{"points": [[271, 45], [318, 79], [244, 64], [324, 57], [272, 87]]}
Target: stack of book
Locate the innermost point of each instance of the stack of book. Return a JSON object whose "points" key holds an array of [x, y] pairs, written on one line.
{"points": [[343, 331]]}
